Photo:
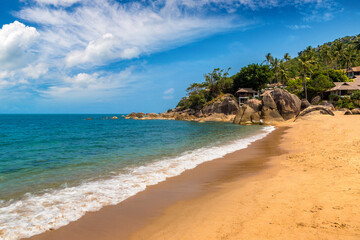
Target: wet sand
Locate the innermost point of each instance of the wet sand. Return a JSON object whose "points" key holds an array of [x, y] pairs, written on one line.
{"points": [[312, 192], [300, 182], [130, 216]]}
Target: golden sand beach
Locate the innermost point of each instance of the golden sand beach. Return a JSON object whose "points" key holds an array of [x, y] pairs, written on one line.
{"points": [[300, 182]]}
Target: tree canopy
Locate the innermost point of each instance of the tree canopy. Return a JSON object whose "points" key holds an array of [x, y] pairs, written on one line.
{"points": [[252, 76]]}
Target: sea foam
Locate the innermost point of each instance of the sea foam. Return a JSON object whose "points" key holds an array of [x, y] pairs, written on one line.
{"points": [[35, 214]]}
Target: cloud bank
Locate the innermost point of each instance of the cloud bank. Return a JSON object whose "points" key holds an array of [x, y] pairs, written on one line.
{"points": [[63, 41]]}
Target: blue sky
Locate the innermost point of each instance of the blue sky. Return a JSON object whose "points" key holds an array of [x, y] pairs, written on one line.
{"points": [[113, 56]]}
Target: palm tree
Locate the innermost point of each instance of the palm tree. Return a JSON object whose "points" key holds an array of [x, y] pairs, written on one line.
{"points": [[269, 58], [350, 56], [283, 71], [357, 44], [275, 67], [306, 60], [287, 57], [325, 53], [338, 51]]}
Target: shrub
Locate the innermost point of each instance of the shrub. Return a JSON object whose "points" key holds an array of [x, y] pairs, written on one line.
{"points": [[345, 102], [355, 95], [333, 97]]}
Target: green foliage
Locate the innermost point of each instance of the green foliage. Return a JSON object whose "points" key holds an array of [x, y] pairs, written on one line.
{"points": [[319, 84], [252, 76], [338, 76], [345, 102], [184, 103], [355, 95], [295, 86], [216, 83], [334, 97], [226, 85], [197, 101]]}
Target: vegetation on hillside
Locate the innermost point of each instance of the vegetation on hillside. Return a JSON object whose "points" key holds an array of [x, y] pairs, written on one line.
{"points": [[311, 73]]}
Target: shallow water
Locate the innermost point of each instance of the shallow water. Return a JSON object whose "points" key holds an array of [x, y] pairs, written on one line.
{"points": [[54, 168]]}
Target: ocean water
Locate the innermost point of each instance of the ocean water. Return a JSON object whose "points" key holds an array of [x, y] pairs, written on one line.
{"points": [[55, 168]]}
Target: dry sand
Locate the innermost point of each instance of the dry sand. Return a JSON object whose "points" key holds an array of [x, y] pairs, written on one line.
{"points": [[310, 192]]}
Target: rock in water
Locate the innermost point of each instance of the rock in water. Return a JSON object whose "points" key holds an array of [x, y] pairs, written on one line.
{"points": [[304, 104], [225, 104], [287, 104]]}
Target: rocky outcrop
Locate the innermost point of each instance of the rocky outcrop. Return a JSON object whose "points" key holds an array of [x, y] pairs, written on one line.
{"points": [[355, 111], [276, 105], [328, 105], [268, 101], [270, 116], [247, 115], [287, 104], [316, 100], [225, 104], [304, 104], [322, 109], [255, 104], [135, 115]]}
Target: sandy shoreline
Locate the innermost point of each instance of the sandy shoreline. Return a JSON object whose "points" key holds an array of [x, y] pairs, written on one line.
{"points": [[300, 182]]}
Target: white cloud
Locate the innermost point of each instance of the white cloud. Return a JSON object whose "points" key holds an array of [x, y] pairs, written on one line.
{"points": [[297, 27], [99, 31], [96, 32], [88, 87], [58, 2], [16, 40], [35, 71], [100, 51], [168, 94], [169, 91]]}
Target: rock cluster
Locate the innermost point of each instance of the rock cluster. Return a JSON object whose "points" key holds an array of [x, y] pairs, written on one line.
{"points": [[276, 105], [222, 109]]}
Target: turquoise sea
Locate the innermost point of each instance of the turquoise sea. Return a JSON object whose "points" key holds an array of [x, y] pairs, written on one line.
{"points": [[55, 168]]}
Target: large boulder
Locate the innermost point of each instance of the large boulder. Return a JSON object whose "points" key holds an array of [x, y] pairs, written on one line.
{"points": [[268, 101], [288, 105], [316, 100], [304, 104], [225, 104], [247, 115], [348, 112], [269, 115], [255, 104], [355, 111], [217, 117], [328, 105], [316, 108]]}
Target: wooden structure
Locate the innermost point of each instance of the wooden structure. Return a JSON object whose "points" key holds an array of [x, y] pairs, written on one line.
{"points": [[244, 94]]}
